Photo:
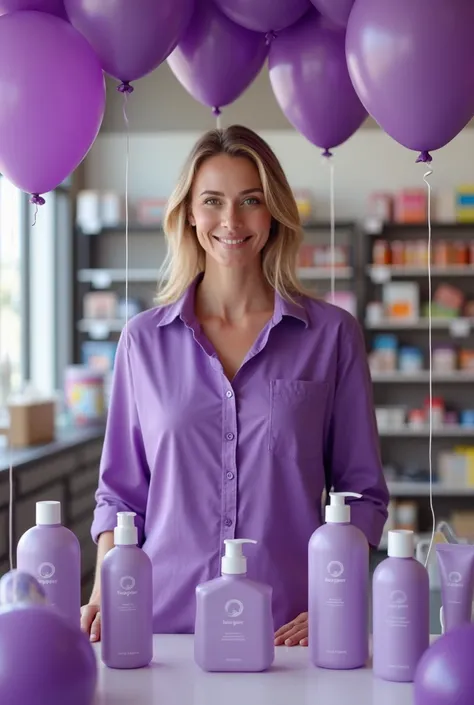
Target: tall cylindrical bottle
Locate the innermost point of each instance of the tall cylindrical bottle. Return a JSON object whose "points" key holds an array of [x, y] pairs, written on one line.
{"points": [[338, 556], [401, 610], [52, 554], [126, 600]]}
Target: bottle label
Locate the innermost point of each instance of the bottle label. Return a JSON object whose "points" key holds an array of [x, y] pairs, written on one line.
{"points": [[233, 610], [398, 609], [126, 589], [45, 574], [335, 571]]}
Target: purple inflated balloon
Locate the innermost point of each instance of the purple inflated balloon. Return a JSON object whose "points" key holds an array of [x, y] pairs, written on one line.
{"points": [[216, 60], [53, 7], [44, 659], [412, 65], [311, 83], [131, 37], [53, 100], [445, 675], [337, 11], [265, 15], [16, 587]]}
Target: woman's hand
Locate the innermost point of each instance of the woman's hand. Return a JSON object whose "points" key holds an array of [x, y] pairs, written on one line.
{"points": [[293, 633], [90, 620]]}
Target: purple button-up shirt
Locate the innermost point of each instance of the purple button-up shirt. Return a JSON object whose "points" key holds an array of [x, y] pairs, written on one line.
{"points": [[201, 459]]}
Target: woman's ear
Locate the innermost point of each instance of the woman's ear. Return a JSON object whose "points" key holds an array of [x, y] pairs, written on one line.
{"points": [[191, 220]]}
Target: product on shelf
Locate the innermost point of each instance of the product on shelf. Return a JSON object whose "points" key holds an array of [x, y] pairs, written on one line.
{"points": [[448, 300], [414, 253], [390, 418], [406, 517], [411, 206], [383, 357], [444, 358], [310, 255], [380, 206], [437, 411], [150, 211], [465, 203], [100, 305], [466, 360], [304, 204], [410, 360], [455, 467], [401, 300]]}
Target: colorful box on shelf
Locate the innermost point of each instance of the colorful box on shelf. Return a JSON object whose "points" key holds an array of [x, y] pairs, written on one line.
{"points": [[150, 211], [465, 203], [401, 300], [411, 206], [456, 467]]}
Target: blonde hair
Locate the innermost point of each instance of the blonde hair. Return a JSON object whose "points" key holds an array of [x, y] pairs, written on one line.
{"points": [[186, 258]]}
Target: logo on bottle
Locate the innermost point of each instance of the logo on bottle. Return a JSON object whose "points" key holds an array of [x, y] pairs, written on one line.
{"points": [[233, 609], [455, 579], [127, 584], [335, 570], [398, 597], [46, 572]]}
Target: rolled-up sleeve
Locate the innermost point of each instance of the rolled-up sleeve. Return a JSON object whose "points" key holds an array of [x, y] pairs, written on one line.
{"points": [[124, 473], [352, 454]]}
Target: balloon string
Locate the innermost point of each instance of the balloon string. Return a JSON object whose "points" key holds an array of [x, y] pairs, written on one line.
{"points": [[35, 215], [333, 230], [428, 173], [10, 505], [219, 122], [127, 166]]}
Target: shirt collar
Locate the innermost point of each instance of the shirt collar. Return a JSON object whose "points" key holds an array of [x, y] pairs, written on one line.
{"points": [[184, 308]]}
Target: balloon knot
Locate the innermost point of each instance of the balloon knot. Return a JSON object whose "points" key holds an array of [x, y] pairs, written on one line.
{"points": [[125, 87], [424, 157], [37, 200], [216, 111], [269, 37], [327, 153]]}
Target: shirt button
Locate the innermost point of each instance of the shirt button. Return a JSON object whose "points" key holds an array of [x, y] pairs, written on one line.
{"points": [[227, 521], [230, 436], [229, 394], [230, 475]]}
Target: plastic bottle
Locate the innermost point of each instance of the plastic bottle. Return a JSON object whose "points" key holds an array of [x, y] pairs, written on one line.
{"points": [[126, 599], [52, 554], [234, 628], [338, 558], [401, 612]]}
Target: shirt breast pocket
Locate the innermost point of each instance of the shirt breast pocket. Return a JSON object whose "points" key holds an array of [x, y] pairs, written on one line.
{"points": [[297, 412]]}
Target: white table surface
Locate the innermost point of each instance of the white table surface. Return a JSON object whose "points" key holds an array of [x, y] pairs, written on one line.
{"points": [[174, 679]]}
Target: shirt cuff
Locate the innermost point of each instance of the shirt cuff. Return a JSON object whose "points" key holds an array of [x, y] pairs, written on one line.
{"points": [[370, 520], [105, 519]]}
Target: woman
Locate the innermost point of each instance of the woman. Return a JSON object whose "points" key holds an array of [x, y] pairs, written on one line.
{"points": [[236, 398]]}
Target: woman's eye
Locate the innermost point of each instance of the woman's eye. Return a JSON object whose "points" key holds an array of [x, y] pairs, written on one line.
{"points": [[211, 202], [252, 201]]}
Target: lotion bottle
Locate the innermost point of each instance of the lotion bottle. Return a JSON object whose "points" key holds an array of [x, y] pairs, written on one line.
{"points": [[338, 557], [52, 554], [126, 600], [401, 610], [234, 628]]}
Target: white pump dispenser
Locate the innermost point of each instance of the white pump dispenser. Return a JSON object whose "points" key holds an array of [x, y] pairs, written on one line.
{"points": [[125, 533], [338, 512], [234, 562]]}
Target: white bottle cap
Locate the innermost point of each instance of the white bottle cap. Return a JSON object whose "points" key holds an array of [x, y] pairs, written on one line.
{"points": [[401, 544], [126, 533], [234, 562], [338, 512], [48, 513]]}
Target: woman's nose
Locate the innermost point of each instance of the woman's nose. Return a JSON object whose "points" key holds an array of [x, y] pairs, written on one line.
{"points": [[232, 219]]}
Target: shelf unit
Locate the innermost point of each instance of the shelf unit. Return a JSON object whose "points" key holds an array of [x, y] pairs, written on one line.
{"points": [[100, 264]]}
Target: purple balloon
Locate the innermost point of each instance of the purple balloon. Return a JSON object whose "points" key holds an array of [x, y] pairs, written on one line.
{"points": [[264, 15], [337, 11], [44, 659], [53, 7], [412, 65], [445, 675], [53, 100], [216, 60], [130, 37], [309, 77]]}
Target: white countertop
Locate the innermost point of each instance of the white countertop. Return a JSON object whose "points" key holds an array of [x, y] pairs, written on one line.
{"points": [[174, 679]]}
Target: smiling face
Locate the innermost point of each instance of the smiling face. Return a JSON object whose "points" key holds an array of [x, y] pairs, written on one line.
{"points": [[229, 212]]}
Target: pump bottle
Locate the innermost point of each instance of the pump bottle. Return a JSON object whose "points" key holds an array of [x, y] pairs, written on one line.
{"points": [[338, 557], [126, 600], [234, 623]]}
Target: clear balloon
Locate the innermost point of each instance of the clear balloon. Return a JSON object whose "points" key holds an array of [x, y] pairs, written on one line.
{"points": [[44, 659], [311, 83], [412, 65], [445, 675], [216, 60], [53, 100], [337, 11], [53, 7], [18, 587], [131, 37], [265, 15]]}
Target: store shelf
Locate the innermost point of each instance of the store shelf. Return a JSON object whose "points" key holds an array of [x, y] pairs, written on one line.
{"points": [[383, 273], [324, 273], [445, 432], [103, 278], [422, 489], [100, 329], [376, 226], [457, 377], [421, 324]]}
